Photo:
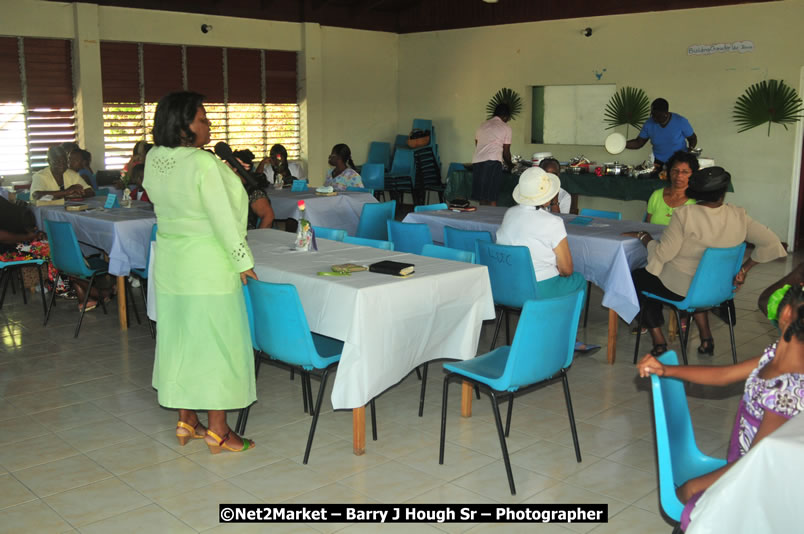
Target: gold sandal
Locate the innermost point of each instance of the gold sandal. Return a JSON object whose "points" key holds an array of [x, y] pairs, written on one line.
{"points": [[190, 432], [221, 443]]}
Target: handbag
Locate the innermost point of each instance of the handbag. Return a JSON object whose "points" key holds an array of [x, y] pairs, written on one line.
{"points": [[418, 138]]}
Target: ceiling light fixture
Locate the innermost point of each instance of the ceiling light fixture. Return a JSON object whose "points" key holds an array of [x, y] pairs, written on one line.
{"points": [[490, 1]]}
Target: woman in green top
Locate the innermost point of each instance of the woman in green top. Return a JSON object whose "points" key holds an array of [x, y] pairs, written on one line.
{"points": [[204, 359], [662, 202]]}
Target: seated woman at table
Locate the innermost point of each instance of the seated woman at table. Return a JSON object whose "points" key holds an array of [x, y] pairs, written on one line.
{"points": [[57, 180], [136, 176], [672, 262], [563, 200], [774, 391], [663, 201], [343, 174], [531, 224], [79, 161], [277, 167]]}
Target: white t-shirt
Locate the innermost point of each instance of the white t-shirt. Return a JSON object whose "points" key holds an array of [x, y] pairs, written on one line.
{"points": [[44, 181], [564, 201], [537, 229], [294, 168]]}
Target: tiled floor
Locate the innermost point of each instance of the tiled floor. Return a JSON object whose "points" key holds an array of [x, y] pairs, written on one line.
{"points": [[85, 446]]}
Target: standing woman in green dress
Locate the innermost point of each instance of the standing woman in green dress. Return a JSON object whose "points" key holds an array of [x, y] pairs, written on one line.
{"points": [[204, 359]]}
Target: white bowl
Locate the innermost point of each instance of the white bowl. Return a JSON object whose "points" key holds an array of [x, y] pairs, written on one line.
{"points": [[615, 143]]}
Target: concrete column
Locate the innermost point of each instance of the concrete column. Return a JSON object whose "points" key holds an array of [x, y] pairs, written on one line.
{"points": [[311, 103], [87, 82]]}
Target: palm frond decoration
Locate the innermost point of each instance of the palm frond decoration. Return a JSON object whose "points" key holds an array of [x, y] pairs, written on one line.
{"points": [[505, 96], [629, 106], [767, 101]]}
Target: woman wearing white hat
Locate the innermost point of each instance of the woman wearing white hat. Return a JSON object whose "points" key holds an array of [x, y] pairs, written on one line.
{"points": [[531, 224]]}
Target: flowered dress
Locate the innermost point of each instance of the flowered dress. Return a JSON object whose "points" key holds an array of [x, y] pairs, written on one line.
{"points": [[783, 395], [38, 249], [348, 178]]}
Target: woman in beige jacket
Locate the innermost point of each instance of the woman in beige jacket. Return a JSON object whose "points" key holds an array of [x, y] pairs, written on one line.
{"points": [[673, 260]]}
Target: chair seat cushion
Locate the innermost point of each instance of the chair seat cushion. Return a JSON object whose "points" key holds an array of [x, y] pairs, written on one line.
{"points": [[486, 369], [4, 264], [97, 264]]}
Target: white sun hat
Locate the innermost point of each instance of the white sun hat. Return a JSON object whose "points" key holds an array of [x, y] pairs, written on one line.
{"points": [[536, 187]]}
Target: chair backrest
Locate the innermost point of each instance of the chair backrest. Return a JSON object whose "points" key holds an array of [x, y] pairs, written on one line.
{"points": [[24, 196], [366, 242], [373, 175], [544, 342], [713, 280], [288, 340], [329, 233], [464, 239], [454, 167], [603, 214], [430, 207], [360, 189], [64, 250], [299, 185], [513, 280], [446, 253], [148, 256], [422, 124], [373, 219], [677, 453], [428, 171], [401, 140], [379, 153], [409, 237], [250, 314], [403, 162]]}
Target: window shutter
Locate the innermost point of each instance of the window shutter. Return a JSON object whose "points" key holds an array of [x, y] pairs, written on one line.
{"points": [[205, 72], [163, 70], [10, 84], [244, 77], [120, 66], [280, 77]]}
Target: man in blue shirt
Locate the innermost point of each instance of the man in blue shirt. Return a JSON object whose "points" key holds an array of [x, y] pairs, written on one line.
{"points": [[668, 132]]}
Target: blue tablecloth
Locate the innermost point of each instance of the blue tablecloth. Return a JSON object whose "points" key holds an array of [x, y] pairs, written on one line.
{"points": [[599, 250], [341, 211]]}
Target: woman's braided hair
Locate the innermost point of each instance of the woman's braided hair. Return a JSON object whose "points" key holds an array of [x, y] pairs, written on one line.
{"points": [[795, 299]]}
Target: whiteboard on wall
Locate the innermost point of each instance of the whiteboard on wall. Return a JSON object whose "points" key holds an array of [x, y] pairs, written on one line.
{"points": [[573, 114]]}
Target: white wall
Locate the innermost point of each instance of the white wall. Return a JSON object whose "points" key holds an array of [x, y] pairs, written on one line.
{"points": [[449, 76]]}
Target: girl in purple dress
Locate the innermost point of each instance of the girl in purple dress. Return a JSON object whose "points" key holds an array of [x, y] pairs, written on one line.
{"points": [[774, 390]]}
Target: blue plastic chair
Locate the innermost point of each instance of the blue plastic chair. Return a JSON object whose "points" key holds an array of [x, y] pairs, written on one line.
{"points": [[403, 170], [401, 140], [678, 455], [334, 234], [373, 219], [7, 270], [360, 189], [455, 167], [513, 280], [142, 274], [298, 186], [65, 253], [446, 253], [711, 286], [409, 237], [602, 214], [430, 207], [24, 196], [104, 191], [542, 350], [379, 153], [366, 242], [464, 239], [290, 341], [373, 176]]}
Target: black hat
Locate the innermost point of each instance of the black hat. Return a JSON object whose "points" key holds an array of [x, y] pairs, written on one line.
{"points": [[709, 179]]}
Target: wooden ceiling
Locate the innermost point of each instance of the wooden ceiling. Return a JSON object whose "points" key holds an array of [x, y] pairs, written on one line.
{"points": [[407, 16]]}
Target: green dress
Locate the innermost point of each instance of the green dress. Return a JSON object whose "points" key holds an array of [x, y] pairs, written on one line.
{"points": [[660, 212], [204, 359]]}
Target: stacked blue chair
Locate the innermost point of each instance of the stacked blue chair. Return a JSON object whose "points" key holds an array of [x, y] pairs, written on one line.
{"points": [[7, 270], [464, 239], [602, 214], [400, 178], [430, 207], [409, 237], [711, 286], [291, 341], [373, 176], [334, 234], [65, 253], [542, 351], [677, 453], [373, 218], [379, 153], [142, 274], [366, 242], [513, 280]]}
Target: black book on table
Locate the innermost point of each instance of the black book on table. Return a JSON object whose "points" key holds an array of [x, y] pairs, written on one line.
{"points": [[395, 268]]}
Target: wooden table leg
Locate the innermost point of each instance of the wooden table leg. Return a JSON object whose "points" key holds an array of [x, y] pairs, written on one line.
{"points": [[611, 353], [359, 430], [466, 399], [121, 302]]}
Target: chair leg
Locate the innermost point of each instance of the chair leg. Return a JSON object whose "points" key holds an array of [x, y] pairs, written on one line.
{"points": [[84, 306], [4, 281], [507, 461], [22, 285], [588, 298], [52, 298], [683, 336], [317, 410], [419, 373], [443, 420], [130, 299], [306, 376], [731, 334], [41, 289], [144, 293], [507, 328], [373, 421], [304, 396], [292, 374], [496, 330], [424, 388], [508, 417], [568, 399], [639, 335]]}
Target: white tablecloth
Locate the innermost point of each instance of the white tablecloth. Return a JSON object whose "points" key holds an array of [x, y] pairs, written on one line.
{"points": [[388, 325], [341, 211], [599, 250], [762, 492], [123, 233]]}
